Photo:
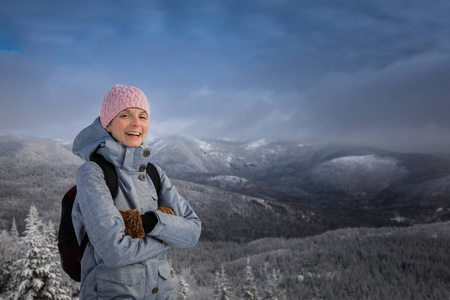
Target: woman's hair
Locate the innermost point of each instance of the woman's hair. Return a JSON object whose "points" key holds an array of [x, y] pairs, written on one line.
{"points": [[119, 98]]}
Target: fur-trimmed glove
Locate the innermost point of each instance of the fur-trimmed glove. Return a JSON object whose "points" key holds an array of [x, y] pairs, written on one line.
{"points": [[166, 210], [149, 219], [137, 225], [133, 223]]}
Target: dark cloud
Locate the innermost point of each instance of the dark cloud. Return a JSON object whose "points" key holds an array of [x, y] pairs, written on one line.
{"points": [[401, 106], [352, 71]]}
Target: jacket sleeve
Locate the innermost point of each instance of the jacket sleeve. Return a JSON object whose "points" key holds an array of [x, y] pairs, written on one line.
{"points": [[104, 224], [180, 231]]}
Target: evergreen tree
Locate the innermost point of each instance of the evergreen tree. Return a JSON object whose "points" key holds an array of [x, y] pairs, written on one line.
{"points": [[273, 291], [222, 287], [217, 285], [33, 276], [14, 232], [11, 249], [249, 290], [6, 258], [184, 288], [54, 287]]}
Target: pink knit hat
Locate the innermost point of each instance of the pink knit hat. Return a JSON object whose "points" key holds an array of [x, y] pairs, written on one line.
{"points": [[119, 98]]}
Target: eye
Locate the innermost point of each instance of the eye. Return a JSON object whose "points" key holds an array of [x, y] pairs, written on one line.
{"points": [[143, 117]]}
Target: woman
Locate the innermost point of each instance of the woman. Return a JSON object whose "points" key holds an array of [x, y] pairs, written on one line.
{"points": [[115, 264]]}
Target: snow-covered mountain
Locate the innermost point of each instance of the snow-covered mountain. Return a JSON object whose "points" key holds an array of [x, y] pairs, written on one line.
{"points": [[327, 178], [32, 148], [40, 171], [328, 184]]}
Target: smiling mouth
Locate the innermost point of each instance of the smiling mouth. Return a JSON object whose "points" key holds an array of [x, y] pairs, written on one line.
{"points": [[137, 134]]}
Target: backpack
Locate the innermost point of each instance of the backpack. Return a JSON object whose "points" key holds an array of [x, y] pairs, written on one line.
{"points": [[69, 249]]}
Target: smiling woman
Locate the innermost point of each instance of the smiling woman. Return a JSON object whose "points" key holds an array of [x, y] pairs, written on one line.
{"points": [[130, 232]]}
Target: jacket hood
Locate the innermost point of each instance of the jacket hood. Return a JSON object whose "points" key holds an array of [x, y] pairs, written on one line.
{"points": [[89, 139]]}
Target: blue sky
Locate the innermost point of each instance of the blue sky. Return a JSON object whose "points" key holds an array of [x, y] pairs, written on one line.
{"points": [[361, 72]]}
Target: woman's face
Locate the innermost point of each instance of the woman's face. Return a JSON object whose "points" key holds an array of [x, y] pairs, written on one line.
{"points": [[129, 127]]}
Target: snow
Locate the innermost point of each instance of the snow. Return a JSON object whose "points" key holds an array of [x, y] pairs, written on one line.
{"points": [[158, 146], [256, 144], [399, 219], [227, 140], [62, 142], [228, 179], [206, 147], [366, 160], [359, 176], [261, 202], [301, 145]]}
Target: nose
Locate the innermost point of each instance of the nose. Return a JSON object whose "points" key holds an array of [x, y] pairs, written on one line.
{"points": [[136, 121]]}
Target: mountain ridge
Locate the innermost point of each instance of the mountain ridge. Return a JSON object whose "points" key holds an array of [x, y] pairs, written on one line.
{"points": [[322, 177], [347, 185]]}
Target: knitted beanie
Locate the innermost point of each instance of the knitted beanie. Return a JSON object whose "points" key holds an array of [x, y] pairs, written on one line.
{"points": [[119, 98]]}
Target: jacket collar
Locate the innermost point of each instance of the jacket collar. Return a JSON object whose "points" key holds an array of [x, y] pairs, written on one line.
{"points": [[96, 137]]}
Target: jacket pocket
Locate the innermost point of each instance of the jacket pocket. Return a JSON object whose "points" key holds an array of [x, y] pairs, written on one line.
{"points": [[164, 269], [127, 282]]}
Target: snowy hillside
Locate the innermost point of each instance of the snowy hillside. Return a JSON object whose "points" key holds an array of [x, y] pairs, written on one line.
{"points": [[361, 176], [325, 178], [24, 147], [345, 185], [42, 180]]}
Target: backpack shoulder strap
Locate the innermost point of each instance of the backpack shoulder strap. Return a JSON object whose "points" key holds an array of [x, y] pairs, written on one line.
{"points": [[154, 175], [109, 172], [83, 245], [111, 175]]}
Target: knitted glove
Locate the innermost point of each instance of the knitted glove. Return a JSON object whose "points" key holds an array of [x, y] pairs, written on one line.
{"points": [[133, 223], [149, 219], [166, 210]]}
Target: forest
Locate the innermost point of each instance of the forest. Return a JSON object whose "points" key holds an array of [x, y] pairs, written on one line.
{"points": [[358, 263]]}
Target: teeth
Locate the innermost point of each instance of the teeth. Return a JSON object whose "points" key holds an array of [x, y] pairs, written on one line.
{"points": [[133, 133]]}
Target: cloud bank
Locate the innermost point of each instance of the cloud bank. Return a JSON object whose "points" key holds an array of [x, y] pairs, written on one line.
{"points": [[355, 72]]}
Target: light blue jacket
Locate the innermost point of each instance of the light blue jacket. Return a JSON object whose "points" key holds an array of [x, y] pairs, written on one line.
{"points": [[114, 265]]}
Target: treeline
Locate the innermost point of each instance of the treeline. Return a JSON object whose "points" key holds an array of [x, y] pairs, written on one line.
{"points": [[30, 269], [361, 263], [24, 182], [228, 216]]}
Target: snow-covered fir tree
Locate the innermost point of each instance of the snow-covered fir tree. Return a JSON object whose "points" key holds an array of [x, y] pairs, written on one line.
{"points": [[272, 287], [184, 288], [222, 287], [181, 287], [249, 290], [216, 284], [54, 287], [6, 258], [14, 232], [10, 251], [33, 275]]}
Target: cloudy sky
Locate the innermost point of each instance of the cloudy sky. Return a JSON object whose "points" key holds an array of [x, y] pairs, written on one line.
{"points": [[363, 72]]}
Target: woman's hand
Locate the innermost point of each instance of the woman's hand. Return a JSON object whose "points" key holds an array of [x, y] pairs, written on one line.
{"points": [[136, 225], [133, 223]]}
